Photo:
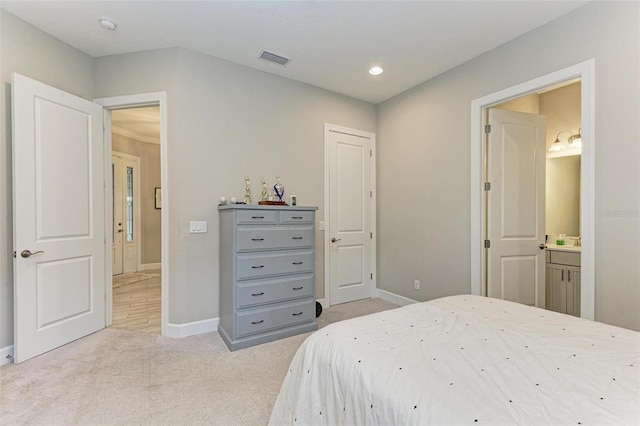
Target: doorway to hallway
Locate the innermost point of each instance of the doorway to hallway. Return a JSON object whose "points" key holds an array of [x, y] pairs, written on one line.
{"points": [[136, 220]]}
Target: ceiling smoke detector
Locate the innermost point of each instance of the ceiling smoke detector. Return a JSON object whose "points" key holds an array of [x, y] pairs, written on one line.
{"points": [[272, 57], [107, 23]]}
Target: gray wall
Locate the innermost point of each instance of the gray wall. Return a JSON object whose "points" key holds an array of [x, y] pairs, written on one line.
{"points": [[31, 52], [227, 121], [149, 155], [423, 152]]}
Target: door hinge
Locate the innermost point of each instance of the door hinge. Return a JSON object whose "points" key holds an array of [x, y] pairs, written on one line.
{"points": [[487, 244], [370, 194], [371, 275], [370, 153], [371, 235], [14, 254], [487, 128], [487, 186]]}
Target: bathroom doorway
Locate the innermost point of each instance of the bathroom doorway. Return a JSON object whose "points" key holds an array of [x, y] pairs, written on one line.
{"points": [[554, 270], [583, 73]]}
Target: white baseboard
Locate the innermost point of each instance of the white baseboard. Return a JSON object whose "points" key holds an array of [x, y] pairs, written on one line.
{"points": [[192, 328], [150, 266], [393, 298], [6, 355]]}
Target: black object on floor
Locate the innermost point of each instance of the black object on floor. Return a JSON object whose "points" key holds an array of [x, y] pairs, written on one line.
{"points": [[318, 309]]}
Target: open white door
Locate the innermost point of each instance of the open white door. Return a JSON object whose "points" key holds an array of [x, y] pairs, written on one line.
{"points": [[59, 217], [516, 225], [350, 215]]}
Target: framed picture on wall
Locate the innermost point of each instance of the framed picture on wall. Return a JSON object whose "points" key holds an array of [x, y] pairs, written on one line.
{"points": [[158, 197]]}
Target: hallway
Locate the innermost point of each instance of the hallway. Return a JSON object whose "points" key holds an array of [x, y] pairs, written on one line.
{"points": [[136, 301]]}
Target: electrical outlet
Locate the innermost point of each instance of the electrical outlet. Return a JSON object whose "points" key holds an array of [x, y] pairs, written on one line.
{"points": [[416, 285]]}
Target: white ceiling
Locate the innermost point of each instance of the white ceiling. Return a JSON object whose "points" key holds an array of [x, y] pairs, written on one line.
{"points": [[331, 44], [142, 123]]}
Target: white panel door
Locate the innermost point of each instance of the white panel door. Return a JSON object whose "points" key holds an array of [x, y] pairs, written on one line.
{"points": [[117, 235], [126, 212], [59, 232], [349, 217], [516, 227]]}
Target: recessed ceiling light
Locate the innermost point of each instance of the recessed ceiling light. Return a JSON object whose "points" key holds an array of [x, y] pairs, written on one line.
{"points": [[107, 23], [375, 70]]}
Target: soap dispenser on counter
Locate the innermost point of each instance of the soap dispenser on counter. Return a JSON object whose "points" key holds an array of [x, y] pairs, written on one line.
{"points": [[560, 240]]}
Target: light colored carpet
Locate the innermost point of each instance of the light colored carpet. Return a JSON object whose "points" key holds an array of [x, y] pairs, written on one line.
{"points": [[121, 377]]}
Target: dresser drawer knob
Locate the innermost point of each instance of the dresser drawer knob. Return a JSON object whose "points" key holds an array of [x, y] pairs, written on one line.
{"points": [[257, 322], [257, 239], [257, 217], [295, 315], [257, 294], [298, 288], [296, 238], [297, 263], [257, 267]]}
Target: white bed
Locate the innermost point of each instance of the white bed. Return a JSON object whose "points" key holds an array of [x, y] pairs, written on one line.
{"points": [[464, 360]]}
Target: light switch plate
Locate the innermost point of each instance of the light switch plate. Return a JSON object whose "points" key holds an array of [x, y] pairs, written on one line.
{"points": [[321, 225], [197, 226]]}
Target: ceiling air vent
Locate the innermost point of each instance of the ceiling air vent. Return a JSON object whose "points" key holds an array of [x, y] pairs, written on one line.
{"points": [[272, 57]]}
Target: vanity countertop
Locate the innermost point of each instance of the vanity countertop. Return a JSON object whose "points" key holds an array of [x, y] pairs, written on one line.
{"points": [[570, 248]]}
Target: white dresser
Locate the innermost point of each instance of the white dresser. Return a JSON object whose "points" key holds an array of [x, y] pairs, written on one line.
{"points": [[267, 273]]}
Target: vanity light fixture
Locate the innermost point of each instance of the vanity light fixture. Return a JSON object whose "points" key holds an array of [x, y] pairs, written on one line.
{"points": [[375, 70], [557, 145], [107, 23], [575, 141]]}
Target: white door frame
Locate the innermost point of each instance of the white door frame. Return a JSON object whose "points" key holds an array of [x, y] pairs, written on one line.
{"points": [[326, 237], [586, 72], [132, 101], [137, 221]]}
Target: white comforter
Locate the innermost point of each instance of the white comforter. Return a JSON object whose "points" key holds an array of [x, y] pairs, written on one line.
{"points": [[464, 360]]}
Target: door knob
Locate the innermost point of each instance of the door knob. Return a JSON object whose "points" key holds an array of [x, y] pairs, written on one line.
{"points": [[27, 253], [542, 246], [333, 240]]}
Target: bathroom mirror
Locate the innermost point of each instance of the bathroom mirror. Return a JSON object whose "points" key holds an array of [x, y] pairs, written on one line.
{"points": [[563, 195]]}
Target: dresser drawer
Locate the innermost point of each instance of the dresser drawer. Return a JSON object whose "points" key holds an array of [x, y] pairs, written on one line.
{"points": [[265, 265], [252, 238], [262, 292], [257, 321], [255, 217], [295, 217]]}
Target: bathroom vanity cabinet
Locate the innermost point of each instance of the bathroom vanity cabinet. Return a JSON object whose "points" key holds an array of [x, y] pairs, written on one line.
{"points": [[562, 281]]}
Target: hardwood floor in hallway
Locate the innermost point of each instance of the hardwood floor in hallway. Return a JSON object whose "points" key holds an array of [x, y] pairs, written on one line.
{"points": [[136, 301]]}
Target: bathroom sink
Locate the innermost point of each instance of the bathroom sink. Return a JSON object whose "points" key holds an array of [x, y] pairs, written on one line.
{"points": [[564, 248]]}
